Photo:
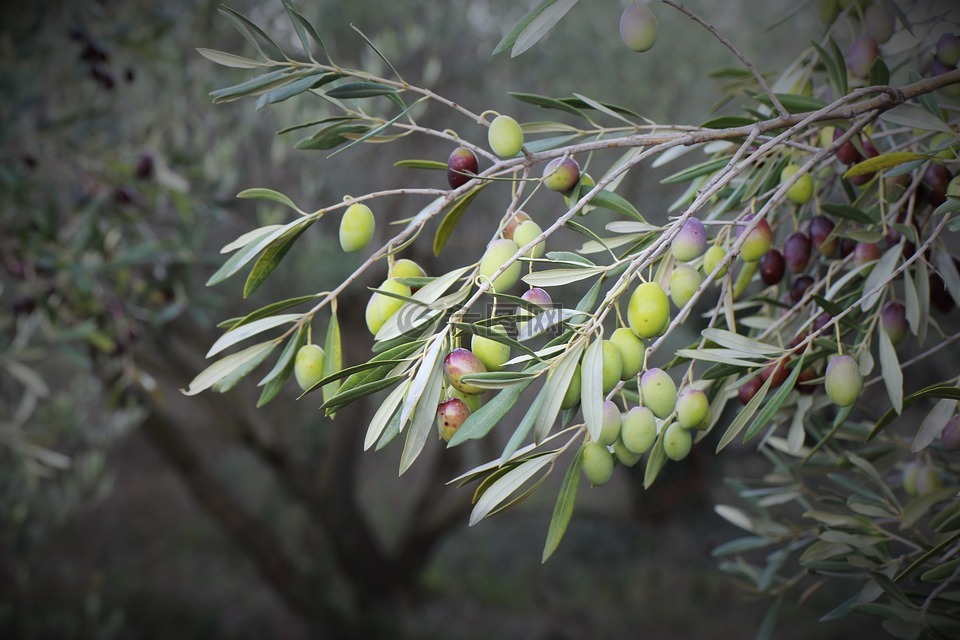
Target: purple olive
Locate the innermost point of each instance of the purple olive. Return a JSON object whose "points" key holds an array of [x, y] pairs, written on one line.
{"points": [[772, 267], [893, 320], [820, 229], [799, 287], [796, 251]]}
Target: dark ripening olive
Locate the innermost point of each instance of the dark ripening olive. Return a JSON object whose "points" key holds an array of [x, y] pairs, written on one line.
{"points": [[804, 385], [796, 251], [799, 287], [820, 229], [861, 55], [777, 371], [772, 267], [893, 320], [847, 245], [847, 153], [749, 389], [935, 181], [821, 321], [864, 252], [461, 161]]}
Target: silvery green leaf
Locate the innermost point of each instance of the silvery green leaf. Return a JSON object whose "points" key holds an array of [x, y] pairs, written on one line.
{"points": [[591, 388], [424, 415], [743, 344], [933, 424], [249, 330], [558, 380], [386, 411], [890, 368], [431, 361], [880, 275], [508, 485], [226, 366], [561, 277], [249, 237]]}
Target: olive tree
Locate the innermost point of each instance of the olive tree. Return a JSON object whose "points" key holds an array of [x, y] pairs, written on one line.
{"points": [[808, 248]]}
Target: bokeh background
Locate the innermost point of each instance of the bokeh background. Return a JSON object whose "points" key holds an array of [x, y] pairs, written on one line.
{"points": [[130, 511]]}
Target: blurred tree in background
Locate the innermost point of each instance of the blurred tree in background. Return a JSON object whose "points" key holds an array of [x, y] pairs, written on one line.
{"points": [[118, 184]]}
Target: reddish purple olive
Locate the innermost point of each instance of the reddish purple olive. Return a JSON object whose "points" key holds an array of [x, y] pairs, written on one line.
{"points": [[796, 251], [804, 385], [772, 267], [461, 161], [749, 389], [538, 296], [690, 242], [778, 371], [861, 55], [799, 287], [450, 416], [459, 363], [893, 320], [935, 181], [846, 247], [864, 252], [821, 228], [847, 153], [821, 321], [950, 436], [518, 218]]}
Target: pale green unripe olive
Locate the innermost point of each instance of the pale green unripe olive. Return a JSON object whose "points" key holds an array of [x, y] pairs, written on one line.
{"points": [[459, 363], [612, 365], [928, 480], [659, 392], [638, 27], [406, 268], [692, 408], [472, 401], [450, 416], [381, 307], [800, 191], [711, 259], [648, 311], [631, 352], [684, 282], [505, 136], [572, 397], [492, 354], [597, 463], [677, 441], [526, 233], [497, 254], [356, 227], [638, 430], [308, 365], [910, 473], [624, 456], [610, 424], [843, 381]]}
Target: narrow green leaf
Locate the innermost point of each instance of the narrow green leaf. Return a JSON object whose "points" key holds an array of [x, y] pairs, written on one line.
{"points": [[948, 271], [332, 356], [655, 460], [548, 103], [745, 414], [225, 366], [305, 24], [837, 74], [229, 59], [702, 169], [261, 193], [933, 424], [525, 427], [848, 212], [728, 122], [360, 90], [504, 487], [769, 622], [290, 90], [425, 414], [233, 378], [609, 200], [240, 259], [841, 63], [273, 382], [883, 161], [244, 24], [915, 117], [880, 275], [425, 375], [560, 277], [249, 330], [450, 221], [743, 344], [332, 136], [385, 413], [250, 236], [890, 368], [776, 401], [563, 509], [879, 73], [376, 50], [421, 164], [375, 131], [933, 391], [792, 102], [591, 388], [345, 397], [558, 380], [541, 24], [263, 312], [270, 258], [481, 421]]}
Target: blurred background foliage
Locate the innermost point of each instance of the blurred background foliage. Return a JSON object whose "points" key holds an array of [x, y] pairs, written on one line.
{"points": [[129, 511]]}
